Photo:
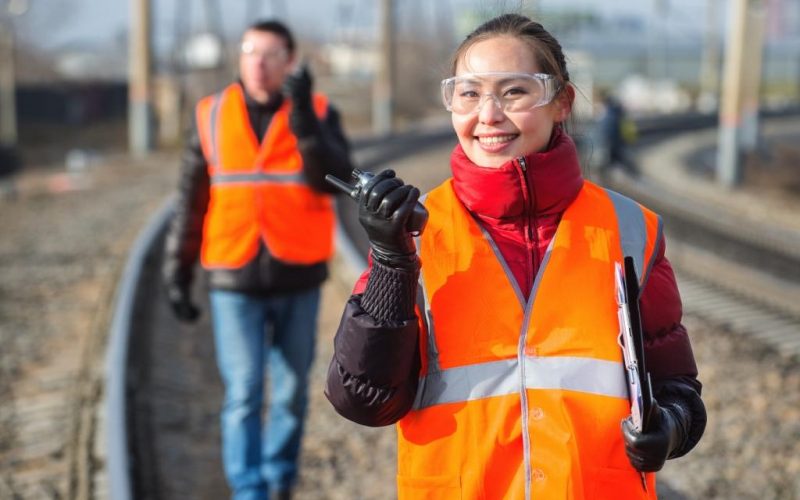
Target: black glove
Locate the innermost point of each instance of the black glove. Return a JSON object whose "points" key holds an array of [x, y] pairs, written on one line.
{"points": [[181, 303], [647, 452], [297, 88], [384, 206]]}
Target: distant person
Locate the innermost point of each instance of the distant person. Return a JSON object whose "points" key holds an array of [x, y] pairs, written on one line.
{"points": [[253, 205], [617, 132], [492, 338]]}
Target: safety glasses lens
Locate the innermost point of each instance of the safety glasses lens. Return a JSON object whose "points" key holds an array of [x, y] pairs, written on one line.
{"points": [[511, 91]]}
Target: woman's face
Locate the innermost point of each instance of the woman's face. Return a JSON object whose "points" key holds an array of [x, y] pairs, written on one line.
{"points": [[492, 136]]}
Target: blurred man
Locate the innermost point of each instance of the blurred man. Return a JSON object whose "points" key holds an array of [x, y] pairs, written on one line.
{"points": [[253, 205]]}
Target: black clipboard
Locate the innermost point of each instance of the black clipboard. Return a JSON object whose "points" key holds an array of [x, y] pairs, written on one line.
{"points": [[644, 399]]}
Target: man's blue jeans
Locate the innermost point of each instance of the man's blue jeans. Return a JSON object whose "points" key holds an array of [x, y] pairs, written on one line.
{"points": [[252, 333]]}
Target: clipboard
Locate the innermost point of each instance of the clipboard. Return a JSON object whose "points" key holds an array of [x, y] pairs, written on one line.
{"points": [[631, 340]]}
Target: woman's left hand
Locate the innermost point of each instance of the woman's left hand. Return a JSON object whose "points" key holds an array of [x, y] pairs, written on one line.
{"points": [[648, 451]]}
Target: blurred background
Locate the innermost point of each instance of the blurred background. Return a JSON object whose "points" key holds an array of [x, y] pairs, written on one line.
{"points": [[104, 395], [73, 66]]}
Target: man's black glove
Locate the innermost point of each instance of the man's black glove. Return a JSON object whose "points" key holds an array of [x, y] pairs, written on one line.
{"points": [[297, 88], [181, 303], [667, 431], [384, 205]]}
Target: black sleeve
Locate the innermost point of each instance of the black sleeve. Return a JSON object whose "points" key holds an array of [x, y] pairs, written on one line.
{"points": [[185, 233], [682, 396], [373, 376], [325, 150]]}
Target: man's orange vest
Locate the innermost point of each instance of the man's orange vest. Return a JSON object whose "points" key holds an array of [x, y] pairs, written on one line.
{"points": [[523, 400], [258, 192]]}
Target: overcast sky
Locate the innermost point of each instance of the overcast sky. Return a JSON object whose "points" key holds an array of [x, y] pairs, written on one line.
{"points": [[55, 23]]}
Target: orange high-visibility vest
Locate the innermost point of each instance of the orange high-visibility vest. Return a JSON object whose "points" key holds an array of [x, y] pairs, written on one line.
{"points": [[523, 399], [258, 192]]}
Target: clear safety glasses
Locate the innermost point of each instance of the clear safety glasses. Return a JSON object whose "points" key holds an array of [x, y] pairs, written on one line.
{"points": [[511, 92], [273, 56]]}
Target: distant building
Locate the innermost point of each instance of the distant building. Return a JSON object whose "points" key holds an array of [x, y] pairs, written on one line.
{"points": [[72, 86], [80, 64], [352, 61]]}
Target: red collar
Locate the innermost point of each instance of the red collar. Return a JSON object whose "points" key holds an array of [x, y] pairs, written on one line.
{"points": [[553, 175]]}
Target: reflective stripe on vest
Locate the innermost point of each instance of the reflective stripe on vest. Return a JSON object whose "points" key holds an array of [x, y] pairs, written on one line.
{"points": [[213, 129], [258, 191], [523, 399], [258, 177], [633, 229], [500, 378]]}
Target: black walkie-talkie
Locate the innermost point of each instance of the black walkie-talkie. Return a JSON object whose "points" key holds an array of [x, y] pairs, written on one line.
{"points": [[417, 219]]}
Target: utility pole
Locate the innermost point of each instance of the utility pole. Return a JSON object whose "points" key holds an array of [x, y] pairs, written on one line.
{"points": [[709, 70], [8, 108], [658, 50], [445, 27], [383, 88], [8, 76], [140, 109], [754, 55], [729, 160]]}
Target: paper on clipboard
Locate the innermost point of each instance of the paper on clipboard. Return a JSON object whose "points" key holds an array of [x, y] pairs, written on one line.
{"points": [[632, 343]]}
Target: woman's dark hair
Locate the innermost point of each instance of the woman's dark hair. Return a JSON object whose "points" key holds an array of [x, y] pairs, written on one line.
{"points": [[276, 27], [547, 50]]}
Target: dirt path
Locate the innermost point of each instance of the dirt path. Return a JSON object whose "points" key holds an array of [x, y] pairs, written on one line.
{"points": [[65, 240]]}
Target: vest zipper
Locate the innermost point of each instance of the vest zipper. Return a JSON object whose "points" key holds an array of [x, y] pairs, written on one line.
{"points": [[526, 441], [530, 222]]}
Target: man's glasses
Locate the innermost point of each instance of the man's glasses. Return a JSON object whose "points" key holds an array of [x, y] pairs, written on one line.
{"points": [[510, 92], [272, 56]]}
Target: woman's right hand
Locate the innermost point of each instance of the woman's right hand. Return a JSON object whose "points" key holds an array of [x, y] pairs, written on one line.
{"points": [[385, 204]]}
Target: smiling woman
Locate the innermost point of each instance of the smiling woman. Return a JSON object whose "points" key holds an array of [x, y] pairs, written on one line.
{"points": [[491, 338]]}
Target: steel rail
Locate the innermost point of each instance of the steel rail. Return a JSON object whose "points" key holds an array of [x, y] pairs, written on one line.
{"points": [[116, 390]]}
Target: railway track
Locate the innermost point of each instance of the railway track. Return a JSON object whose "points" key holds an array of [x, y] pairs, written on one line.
{"points": [[741, 275], [171, 392]]}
